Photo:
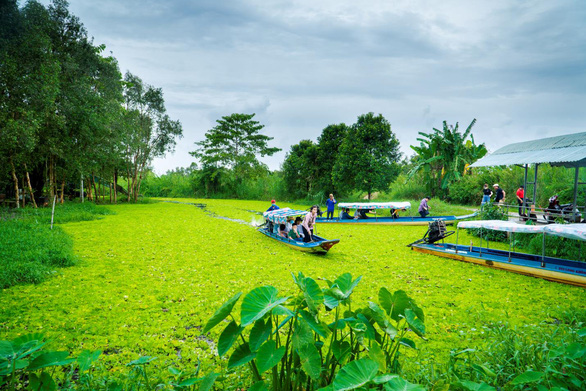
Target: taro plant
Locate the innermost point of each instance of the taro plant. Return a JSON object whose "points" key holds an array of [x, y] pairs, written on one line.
{"points": [[288, 345]]}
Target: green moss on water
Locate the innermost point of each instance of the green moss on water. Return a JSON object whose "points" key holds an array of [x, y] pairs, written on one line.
{"points": [[151, 275]]}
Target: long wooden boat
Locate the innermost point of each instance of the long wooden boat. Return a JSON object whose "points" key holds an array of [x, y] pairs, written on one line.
{"points": [[549, 268], [387, 220], [319, 245]]}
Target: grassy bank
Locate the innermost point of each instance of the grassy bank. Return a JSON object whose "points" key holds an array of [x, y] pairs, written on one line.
{"points": [[30, 251]]}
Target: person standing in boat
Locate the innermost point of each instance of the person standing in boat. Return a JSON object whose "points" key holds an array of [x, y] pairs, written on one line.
{"points": [[273, 206], [308, 223], [424, 207], [486, 194], [330, 204]]}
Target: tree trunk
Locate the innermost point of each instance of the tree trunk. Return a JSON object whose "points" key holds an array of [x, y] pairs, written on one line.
{"points": [[369, 195], [89, 191], [95, 189], [30, 188], [62, 189], [51, 194], [115, 185], [15, 182], [128, 189], [23, 194]]}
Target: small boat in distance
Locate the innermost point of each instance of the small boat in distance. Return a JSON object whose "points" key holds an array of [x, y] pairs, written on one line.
{"points": [[392, 219], [279, 216], [549, 268]]}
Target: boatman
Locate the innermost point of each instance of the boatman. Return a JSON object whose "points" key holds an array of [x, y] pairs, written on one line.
{"points": [[331, 203], [273, 206], [424, 207]]}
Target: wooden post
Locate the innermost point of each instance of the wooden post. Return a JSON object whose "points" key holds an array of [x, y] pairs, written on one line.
{"points": [[30, 188], [53, 212]]}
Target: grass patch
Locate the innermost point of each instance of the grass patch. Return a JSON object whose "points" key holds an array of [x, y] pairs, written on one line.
{"points": [[29, 250], [151, 275]]}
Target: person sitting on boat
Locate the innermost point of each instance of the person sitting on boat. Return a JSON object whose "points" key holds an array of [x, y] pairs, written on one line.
{"points": [[298, 221], [308, 223], [289, 224], [330, 203], [273, 206], [424, 207], [345, 215], [361, 214], [282, 231], [294, 234]]}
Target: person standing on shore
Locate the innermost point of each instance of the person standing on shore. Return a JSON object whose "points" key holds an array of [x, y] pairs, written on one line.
{"points": [[486, 194], [500, 194], [330, 204], [520, 196]]}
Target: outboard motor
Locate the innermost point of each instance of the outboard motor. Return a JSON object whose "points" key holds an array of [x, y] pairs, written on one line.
{"points": [[436, 231]]}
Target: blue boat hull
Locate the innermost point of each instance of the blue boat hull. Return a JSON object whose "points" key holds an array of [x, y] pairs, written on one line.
{"points": [[319, 246], [553, 269]]}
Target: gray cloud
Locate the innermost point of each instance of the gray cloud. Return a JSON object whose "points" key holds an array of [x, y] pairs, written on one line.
{"points": [[518, 67]]}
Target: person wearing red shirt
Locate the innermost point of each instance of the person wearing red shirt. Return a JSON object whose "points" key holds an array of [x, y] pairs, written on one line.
{"points": [[520, 195]]}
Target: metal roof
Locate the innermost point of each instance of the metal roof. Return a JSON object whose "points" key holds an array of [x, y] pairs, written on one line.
{"points": [[567, 151]]}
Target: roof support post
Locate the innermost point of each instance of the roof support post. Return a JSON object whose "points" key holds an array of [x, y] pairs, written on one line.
{"points": [[535, 183], [575, 203], [525, 190]]}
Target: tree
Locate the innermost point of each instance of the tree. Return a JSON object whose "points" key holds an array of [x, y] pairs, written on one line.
{"points": [[328, 145], [368, 157], [444, 156], [300, 170], [234, 143], [151, 133]]}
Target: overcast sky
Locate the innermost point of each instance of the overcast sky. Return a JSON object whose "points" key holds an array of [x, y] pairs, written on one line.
{"points": [[518, 67]]}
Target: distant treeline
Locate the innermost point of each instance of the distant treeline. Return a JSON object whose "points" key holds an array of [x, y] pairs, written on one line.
{"points": [[66, 112]]}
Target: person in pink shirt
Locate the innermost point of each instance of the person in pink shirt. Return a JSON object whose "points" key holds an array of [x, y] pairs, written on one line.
{"points": [[308, 223]]}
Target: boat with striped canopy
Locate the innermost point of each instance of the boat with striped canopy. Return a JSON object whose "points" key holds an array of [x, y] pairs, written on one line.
{"points": [[392, 218], [279, 216], [550, 268]]}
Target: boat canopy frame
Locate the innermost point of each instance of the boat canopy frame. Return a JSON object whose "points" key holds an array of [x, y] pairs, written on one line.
{"points": [[397, 205], [575, 231], [279, 216]]}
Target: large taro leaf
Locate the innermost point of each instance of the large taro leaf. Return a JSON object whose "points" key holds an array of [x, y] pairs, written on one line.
{"points": [[268, 356], [341, 350], [310, 360], [370, 331], [320, 328], [228, 337], [346, 284], [50, 359], [86, 358], [527, 377], [258, 386], [208, 382], [222, 312], [394, 304], [377, 355], [472, 386], [313, 294], [42, 383], [399, 384], [258, 302], [414, 322], [259, 333], [241, 356], [355, 374], [302, 335]]}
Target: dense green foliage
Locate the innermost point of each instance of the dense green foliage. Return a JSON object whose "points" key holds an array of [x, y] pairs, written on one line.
{"points": [[150, 293], [444, 156], [30, 250], [65, 111]]}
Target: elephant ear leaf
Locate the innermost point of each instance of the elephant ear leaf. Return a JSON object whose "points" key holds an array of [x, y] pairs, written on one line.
{"points": [[258, 302], [222, 313], [355, 374]]}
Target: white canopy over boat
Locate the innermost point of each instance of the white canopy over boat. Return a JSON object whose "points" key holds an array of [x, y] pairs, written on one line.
{"points": [[375, 205], [500, 225], [279, 216], [571, 231]]}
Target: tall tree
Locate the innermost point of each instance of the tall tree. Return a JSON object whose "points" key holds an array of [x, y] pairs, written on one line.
{"points": [[151, 132], [368, 157], [445, 155], [300, 169], [234, 144], [328, 145]]}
